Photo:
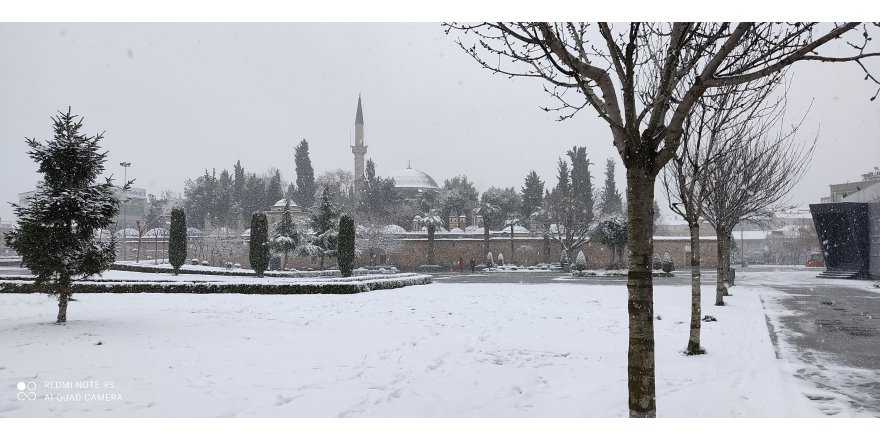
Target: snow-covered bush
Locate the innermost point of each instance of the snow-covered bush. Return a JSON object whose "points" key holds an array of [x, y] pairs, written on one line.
{"points": [[667, 264], [490, 261], [655, 263], [204, 262], [500, 259], [194, 262], [580, 262], [237, 266], [228, 265]]}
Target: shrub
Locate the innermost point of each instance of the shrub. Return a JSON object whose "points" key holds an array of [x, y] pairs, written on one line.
{"points": [[580, 263], [228, 265], [205, 263], [655, 263], [500, 259], [237, 266], [345, 255], [490, 261], [667, 265], [259, 243], [177, 239], [194, 262]]}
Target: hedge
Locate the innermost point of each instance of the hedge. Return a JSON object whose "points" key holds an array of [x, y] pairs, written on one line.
{"points": [[201, 287], [242, 273]]}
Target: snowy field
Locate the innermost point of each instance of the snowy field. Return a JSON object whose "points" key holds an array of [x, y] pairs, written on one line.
{"points": [[441, 350]]}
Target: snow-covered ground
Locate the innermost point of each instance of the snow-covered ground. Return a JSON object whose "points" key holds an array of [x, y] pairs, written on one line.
{"points": [[444, 350]]}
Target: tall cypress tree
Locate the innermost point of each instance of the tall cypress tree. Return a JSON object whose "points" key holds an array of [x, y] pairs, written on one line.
{"points": [[305, 176], [274, 192], [259, 243], [612, 203], [56, 230], [177, 239], [581, 184], [346, 245], [532, 194]]}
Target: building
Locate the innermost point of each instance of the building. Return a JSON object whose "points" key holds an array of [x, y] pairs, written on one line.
{"points": [[847, 225], [359, 150], [839, 191]]}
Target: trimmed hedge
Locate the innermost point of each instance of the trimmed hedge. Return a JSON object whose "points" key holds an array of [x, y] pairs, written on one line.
{"points": [[227, 288], [243, 273]]}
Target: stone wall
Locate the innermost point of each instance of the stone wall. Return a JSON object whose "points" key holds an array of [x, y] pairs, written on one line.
{"points": [[528, 251]]}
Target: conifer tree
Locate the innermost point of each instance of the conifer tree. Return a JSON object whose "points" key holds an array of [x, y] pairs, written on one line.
{"points": [[177, 239], [324, 225], [532, 194], [346, 254], [259, 243], [612, 203], [305, 176], [274, 192], [56, 230], [286, 238]]}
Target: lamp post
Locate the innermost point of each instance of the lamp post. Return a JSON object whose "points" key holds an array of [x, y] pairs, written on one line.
{"points": [[124, 166]]}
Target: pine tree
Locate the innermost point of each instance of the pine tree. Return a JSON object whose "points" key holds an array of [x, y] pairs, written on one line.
{"points": [[612, 203], [274, 192], [305, 176], [286, 238], [259, 243], [532, 194], [56, 230], [323, 224], [346, 245], [177, 239]]}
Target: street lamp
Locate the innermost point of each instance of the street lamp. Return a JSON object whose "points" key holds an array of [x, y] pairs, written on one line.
{"points": [[124, 166]]}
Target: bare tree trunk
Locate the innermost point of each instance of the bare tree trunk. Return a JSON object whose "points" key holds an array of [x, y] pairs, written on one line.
{"points": [[431, 244], [693, 346], [285, 259], [512, 254], [63, 298], [640, 369], [723, 252], [486, 236]]}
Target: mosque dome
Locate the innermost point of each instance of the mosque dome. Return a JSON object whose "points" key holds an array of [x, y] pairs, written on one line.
{"points": [[410, 177]]}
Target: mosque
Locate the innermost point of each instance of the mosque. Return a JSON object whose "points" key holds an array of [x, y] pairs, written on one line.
{"points": [[406, 179]]}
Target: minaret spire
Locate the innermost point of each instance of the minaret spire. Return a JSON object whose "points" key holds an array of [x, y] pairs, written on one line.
{"points": [[359, 150]]}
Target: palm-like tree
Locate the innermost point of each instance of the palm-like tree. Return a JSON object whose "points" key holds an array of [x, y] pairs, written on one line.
{"points": [[487, 211], [431, 221]]}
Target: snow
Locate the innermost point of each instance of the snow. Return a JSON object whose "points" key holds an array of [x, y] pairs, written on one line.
{"points": [[440, 350]]}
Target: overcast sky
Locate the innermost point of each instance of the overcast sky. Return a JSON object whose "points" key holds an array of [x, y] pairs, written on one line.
{"points": [[175, 99]]}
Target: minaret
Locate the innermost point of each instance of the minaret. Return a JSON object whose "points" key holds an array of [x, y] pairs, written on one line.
{"points": [[359, 150]]}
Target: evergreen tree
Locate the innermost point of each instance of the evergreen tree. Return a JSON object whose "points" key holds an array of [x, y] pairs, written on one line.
{"points": [[581, 184], [56, 230], [580, 262], [323, 224], [274, 191], [286, 238], [380, 201], [254, 195], [305, 176], [532, 194], [458, 196], [177, 239], [611, 231], [224, 199], [291, 191], [259, 243], [346, 245], [612, 203]]}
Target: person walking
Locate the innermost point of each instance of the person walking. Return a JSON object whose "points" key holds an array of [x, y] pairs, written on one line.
{"points": [[460, 265]]}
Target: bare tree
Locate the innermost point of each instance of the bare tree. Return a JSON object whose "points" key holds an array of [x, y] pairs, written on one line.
{"points": [[716, 120], [643, 80], [762, 165]]}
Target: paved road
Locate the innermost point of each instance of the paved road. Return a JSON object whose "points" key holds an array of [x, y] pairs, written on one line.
{"points": [[836, 331]]}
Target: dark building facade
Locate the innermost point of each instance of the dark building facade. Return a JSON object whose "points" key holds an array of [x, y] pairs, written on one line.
{"points": [[849, 234]]}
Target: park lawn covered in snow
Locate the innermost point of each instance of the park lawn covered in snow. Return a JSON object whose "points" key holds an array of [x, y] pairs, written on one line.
{"points": [[440, 350]]}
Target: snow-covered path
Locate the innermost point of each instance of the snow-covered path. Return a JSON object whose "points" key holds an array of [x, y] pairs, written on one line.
{"points": [[474, 350]]}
